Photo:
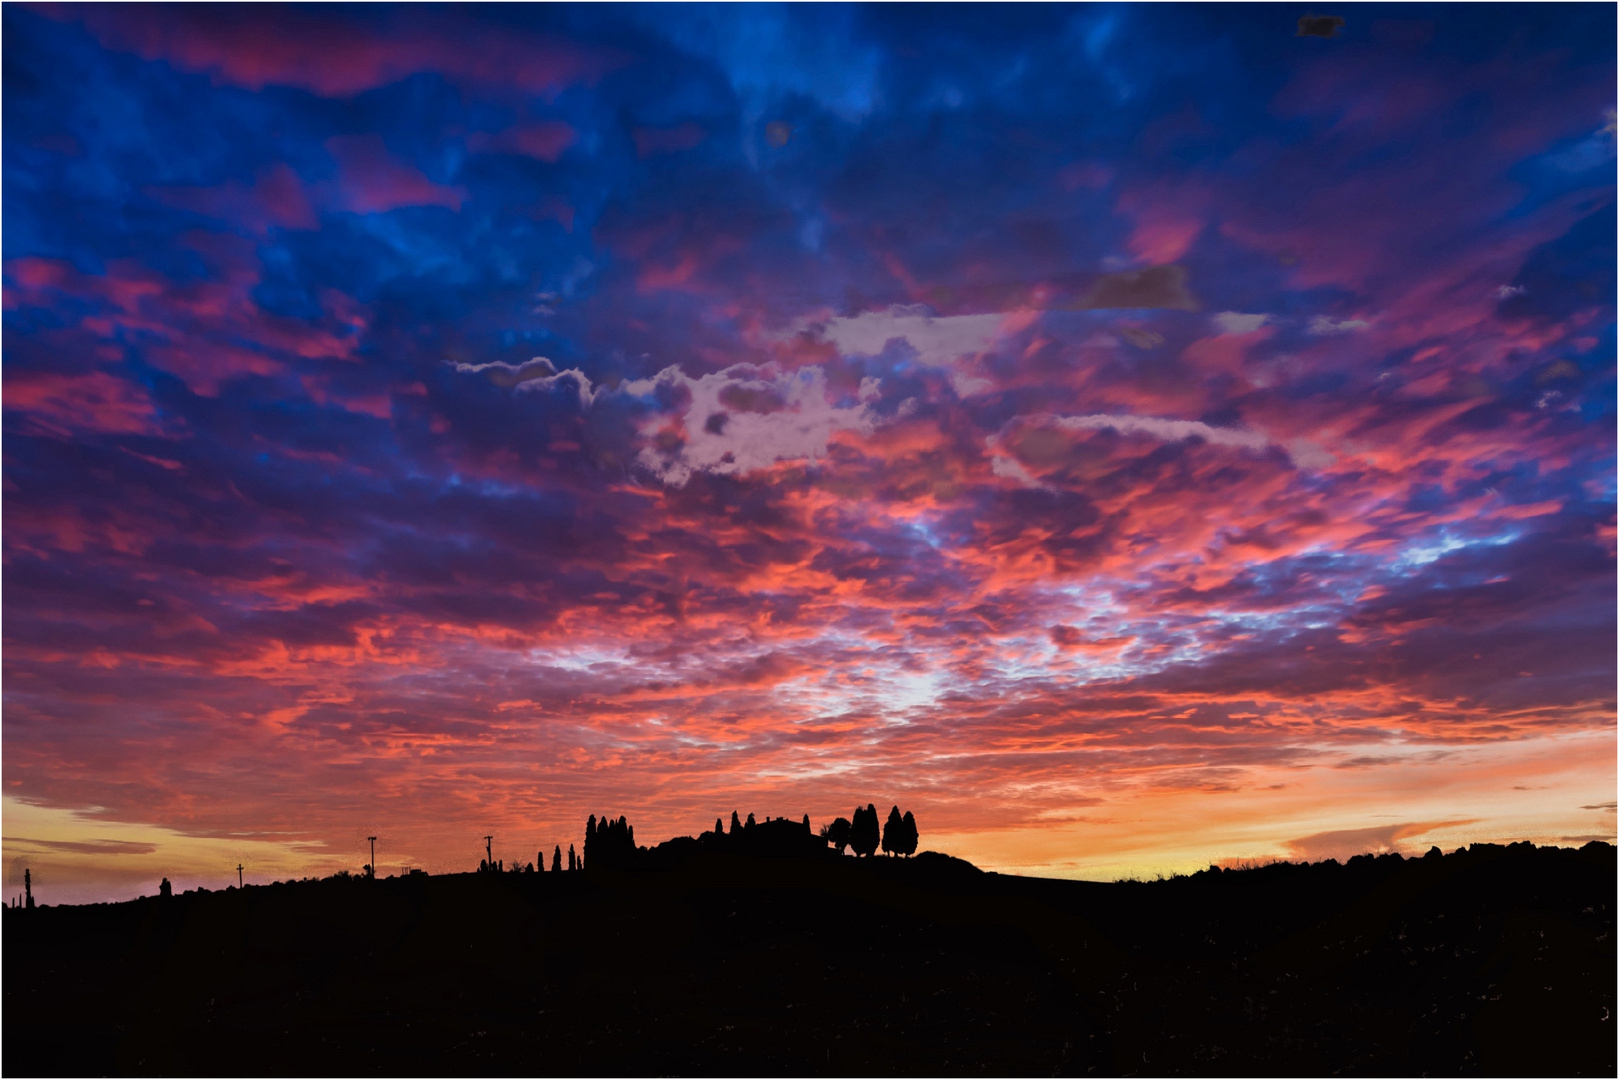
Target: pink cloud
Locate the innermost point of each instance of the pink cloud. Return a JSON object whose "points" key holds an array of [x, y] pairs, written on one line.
{"points": [[322, 51], [276, 197], [544, 141], [204, 331], [92, 401], [374, 181]]}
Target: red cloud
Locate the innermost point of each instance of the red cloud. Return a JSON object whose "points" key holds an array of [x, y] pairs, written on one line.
{"points": [[93, 401], [545, 141], [277, 197], [372, 181], [328, 53]]}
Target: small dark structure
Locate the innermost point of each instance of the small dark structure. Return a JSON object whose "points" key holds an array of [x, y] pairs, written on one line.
{"points": [[28, 888], [164, 889]]}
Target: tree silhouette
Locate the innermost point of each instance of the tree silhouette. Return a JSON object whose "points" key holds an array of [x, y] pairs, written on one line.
{"points": [[864, 831], [910, 835], [609, 842], [893, 829], [736, 823], [573, 860], [556, 859], [719, 827], [837, 833]]}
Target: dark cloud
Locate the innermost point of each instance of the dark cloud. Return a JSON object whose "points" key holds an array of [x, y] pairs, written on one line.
{"points": [[1154, 287], [1321, 26]]}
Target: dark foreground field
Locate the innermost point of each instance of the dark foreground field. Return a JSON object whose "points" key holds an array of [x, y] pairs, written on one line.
{"points": [[1492, 961]]}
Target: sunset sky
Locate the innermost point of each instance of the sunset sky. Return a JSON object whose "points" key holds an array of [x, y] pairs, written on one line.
{"points": [[1130, 438]]}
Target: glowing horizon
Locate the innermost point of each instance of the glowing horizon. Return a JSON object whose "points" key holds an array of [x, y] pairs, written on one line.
{"points": [[1130, 438]]}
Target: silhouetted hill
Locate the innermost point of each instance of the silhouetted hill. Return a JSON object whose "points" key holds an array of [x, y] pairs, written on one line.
{"points": [[1495, 961]]}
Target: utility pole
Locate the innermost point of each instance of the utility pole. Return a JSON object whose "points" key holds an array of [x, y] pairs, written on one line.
{"points": [[489, 852], [238, 875], [28, 887], [372, 872]]}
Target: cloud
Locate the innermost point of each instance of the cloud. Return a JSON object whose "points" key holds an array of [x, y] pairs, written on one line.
{"points": [[1168, 430], [1154, 287], [1374, 840], [546, 141], [746, 418], [1608, 806], [938, 340], [729, 422], [276, 197], [1321, 26], [85, 847], [651, 141], [1233, 322], [536, 374], [372, 180], [1324, 325], [337, 55]]}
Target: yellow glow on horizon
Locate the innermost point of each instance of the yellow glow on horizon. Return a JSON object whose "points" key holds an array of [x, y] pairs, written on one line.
{"points": [[1493, 793], [78, 857], [1552, 790]]}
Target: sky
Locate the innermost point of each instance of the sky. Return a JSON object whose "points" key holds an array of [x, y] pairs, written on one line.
{"points": [[1130, 438]]}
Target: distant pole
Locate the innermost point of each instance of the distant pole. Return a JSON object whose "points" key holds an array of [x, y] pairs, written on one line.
{"points": [[238, 875], [489, 852], [373, 870], [28, 887]]}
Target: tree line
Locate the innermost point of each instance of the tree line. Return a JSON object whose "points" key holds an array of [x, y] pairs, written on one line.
{"points": [[611, 841], [898, 835]]}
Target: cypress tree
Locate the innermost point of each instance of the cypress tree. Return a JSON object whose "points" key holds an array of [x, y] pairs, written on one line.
{"points": [[864, 834], [893, 830]]}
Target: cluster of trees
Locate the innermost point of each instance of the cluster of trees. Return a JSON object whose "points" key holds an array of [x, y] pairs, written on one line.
{"points": [[898, 836], [772, 836], [610, 843]]}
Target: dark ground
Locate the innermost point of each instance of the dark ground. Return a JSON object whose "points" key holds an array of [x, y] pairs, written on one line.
{"points": [[1496, 961]]}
